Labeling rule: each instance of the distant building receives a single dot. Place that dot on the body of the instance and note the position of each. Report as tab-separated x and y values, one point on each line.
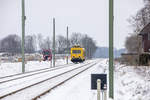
142	57
145	33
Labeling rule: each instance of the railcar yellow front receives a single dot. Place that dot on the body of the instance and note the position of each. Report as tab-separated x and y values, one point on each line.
77	54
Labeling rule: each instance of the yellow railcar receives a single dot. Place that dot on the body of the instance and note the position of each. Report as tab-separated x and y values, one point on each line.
77	54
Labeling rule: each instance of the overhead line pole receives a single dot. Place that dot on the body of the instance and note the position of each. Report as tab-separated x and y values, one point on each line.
111	67
23	34
53	42
67	45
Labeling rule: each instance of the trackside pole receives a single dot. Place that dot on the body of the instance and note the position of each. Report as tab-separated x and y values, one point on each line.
53	42
67	46
111	75
51	63
0	61
23	34
98	89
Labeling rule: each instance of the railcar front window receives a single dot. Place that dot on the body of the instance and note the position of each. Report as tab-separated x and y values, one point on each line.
76	51
46	53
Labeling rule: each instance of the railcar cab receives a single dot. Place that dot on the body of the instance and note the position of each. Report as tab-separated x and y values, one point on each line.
47	54
77	54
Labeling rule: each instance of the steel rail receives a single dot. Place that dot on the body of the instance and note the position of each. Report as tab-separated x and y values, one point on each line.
46	70
42	94
29	72
8	94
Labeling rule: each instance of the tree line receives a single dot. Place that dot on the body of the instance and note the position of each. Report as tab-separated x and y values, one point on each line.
35	43
138	21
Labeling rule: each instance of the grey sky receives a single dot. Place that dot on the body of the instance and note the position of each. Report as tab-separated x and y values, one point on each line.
85	16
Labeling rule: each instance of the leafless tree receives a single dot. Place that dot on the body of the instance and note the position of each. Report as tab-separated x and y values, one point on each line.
89	44
30	44
131	44
75	39
44	43
11	44
40	41
138	21
47	44
84	41
61	44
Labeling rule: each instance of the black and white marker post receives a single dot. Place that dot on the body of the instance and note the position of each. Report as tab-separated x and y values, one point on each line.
99	82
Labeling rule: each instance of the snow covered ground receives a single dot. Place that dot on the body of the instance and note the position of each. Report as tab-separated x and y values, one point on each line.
78	88
130	83
15	68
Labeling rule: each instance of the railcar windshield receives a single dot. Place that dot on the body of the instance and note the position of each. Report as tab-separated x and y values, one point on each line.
46	52
76	51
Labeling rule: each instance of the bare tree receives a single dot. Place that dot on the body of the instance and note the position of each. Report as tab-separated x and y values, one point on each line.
75	39
44	43
47	44
84	41
138	22
11	44
40	41
131	44
89	44
61	44
30	44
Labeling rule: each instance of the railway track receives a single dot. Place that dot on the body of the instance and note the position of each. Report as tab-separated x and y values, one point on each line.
19	76
53	81
26	73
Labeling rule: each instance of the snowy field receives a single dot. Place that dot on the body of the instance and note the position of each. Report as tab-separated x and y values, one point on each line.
130	83
15	68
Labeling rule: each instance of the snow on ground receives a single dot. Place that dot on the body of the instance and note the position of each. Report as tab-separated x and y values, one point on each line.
130	83
78	88
15	68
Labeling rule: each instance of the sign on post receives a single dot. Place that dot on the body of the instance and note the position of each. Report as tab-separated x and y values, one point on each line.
95	77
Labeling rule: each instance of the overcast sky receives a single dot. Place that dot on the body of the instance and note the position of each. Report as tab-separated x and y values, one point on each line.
84	16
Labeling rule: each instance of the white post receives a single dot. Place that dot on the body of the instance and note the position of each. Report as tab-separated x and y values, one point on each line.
102	94
98	89
105	92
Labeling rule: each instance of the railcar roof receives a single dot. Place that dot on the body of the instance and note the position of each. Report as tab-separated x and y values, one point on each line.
76	46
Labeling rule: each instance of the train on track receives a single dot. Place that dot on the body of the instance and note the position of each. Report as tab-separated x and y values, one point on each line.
47	54
77	54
